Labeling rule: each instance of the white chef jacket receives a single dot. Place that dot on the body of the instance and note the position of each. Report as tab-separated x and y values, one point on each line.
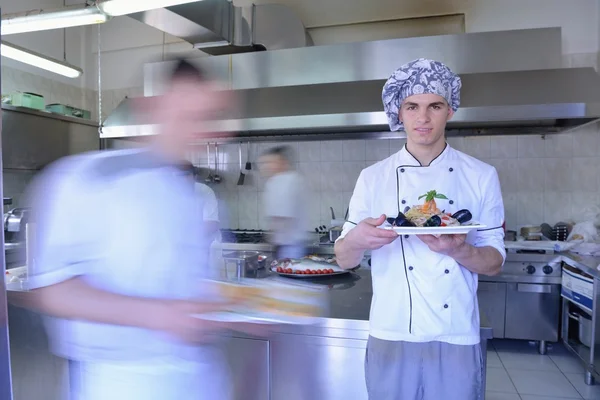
127	222
210	212
420	295
285	197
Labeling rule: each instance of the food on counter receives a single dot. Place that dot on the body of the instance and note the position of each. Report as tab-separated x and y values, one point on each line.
309	265
272	298
282	270
314	257
429	215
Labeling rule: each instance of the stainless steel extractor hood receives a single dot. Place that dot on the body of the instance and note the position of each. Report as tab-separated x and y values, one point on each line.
219	27
512	83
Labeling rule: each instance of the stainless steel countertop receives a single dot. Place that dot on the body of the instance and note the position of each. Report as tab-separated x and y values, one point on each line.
350	298
588	264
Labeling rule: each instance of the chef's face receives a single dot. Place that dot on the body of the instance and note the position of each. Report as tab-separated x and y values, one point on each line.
424	117
186	110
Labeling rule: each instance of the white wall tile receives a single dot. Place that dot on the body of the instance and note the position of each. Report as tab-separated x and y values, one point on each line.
530	208
560	145
332	177
335	200
586	142
248	206
558	174
311	172
478	147
353	150
580	203
542	180
508	173
556	207
530	146
510	210
584	174
351	171
377	150
503	147
456	143
531	174
332	151
309	152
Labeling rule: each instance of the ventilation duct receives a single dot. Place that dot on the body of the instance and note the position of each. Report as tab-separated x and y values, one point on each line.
218	27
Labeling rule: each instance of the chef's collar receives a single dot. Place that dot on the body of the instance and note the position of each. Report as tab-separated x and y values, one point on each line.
406	158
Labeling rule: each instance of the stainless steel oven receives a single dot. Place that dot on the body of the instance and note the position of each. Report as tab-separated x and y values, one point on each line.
523	302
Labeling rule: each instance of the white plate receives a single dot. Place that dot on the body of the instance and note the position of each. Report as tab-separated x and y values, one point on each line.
435	230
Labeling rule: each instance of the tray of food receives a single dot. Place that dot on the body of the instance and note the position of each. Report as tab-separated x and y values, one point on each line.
269	302
308	267
428	219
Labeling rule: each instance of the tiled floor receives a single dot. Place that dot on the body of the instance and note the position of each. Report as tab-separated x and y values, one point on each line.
516	371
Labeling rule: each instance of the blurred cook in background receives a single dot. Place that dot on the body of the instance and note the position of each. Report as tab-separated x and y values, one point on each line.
284	203
210	214
119	260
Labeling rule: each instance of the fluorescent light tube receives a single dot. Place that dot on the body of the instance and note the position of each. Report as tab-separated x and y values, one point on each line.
46	20
37	60
123	7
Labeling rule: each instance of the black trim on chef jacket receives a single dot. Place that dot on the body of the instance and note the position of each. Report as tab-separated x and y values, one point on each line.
401	169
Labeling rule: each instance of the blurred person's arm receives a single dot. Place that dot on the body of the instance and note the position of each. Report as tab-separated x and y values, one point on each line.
67	209
76	300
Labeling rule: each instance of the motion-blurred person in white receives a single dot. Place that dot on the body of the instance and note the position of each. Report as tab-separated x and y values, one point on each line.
284	203
210	215
120	265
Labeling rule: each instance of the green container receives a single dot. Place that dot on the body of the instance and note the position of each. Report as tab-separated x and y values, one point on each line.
69	111
26	99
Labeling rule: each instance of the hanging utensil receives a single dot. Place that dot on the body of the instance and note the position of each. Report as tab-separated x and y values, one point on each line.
248	163
209	178
217	177
242	177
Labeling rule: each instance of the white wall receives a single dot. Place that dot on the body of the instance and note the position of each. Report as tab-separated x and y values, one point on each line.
549	179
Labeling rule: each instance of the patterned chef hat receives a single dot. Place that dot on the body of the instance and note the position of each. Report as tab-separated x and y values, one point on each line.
419	77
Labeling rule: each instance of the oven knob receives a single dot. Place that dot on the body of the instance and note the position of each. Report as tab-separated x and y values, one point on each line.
530	269
547	269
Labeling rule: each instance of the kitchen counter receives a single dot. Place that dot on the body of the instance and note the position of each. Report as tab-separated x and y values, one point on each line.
350	301
277	366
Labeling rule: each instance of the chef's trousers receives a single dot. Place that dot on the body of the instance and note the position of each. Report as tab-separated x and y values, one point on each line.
397	370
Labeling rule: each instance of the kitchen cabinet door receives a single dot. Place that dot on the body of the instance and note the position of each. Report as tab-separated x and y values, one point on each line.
249	368
317	368
492	302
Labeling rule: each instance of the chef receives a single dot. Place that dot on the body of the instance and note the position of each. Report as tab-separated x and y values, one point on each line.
119	276
424	320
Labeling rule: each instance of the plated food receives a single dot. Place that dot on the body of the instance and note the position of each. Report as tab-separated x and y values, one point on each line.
429	215
272	301
309	266
428	218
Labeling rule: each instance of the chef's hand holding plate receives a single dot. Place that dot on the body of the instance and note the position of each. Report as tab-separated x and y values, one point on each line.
443	244
366	235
